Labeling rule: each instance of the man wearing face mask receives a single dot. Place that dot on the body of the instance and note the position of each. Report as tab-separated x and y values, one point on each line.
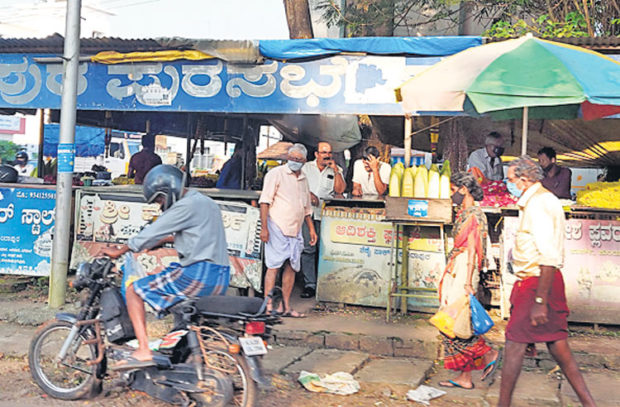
489	158
557	179
284	206
538	302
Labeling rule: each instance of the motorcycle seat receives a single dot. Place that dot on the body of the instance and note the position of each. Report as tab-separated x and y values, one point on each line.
229	305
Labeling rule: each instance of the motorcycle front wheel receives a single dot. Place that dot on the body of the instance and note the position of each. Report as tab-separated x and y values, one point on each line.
69	379
236	367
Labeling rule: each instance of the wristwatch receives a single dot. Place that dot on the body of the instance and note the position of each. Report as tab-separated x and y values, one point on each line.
539	300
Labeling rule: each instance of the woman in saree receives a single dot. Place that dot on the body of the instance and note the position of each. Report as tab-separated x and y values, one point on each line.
461	278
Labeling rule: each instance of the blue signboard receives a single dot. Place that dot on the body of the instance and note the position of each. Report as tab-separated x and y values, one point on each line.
26	227
334	85
341	84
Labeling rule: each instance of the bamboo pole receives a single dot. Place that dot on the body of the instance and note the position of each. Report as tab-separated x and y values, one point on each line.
408	126
524	131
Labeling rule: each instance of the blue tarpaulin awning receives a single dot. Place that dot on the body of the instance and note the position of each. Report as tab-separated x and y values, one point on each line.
89	141
318	47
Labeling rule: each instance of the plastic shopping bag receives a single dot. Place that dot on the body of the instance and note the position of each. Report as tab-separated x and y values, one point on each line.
445	318
338	383
480	319
462	323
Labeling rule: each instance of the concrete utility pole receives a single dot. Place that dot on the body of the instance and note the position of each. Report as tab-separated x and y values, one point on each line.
66	156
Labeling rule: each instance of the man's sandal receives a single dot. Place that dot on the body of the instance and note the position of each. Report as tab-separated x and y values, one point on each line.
491	368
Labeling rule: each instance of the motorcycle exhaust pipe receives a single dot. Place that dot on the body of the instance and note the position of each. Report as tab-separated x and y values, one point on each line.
194	346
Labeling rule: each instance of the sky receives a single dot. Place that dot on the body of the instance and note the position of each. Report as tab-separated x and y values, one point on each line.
209	19
214	19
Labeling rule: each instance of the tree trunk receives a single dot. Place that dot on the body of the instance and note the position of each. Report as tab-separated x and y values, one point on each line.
298	19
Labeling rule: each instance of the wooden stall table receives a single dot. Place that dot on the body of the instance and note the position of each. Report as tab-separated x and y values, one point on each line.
405	213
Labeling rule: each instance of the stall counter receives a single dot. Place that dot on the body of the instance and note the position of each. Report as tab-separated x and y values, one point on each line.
355	255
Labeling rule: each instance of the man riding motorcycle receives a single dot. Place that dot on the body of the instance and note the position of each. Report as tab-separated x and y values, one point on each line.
195	221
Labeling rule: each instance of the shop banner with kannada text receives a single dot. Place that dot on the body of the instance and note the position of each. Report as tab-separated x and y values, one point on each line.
592	270
26	227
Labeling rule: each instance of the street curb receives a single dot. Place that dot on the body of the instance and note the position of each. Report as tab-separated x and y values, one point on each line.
398	347
381	346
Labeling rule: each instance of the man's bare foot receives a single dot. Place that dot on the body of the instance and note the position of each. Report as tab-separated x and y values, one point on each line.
138	360
142	355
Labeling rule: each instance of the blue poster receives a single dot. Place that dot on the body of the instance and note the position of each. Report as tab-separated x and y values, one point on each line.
417	208
66	157
26	227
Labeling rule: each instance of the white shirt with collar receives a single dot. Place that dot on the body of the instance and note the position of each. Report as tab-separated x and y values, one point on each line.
481	159
321	183
540	238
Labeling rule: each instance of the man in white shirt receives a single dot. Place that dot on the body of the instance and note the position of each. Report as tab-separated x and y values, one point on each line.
370	176
488	159
325	180
539	309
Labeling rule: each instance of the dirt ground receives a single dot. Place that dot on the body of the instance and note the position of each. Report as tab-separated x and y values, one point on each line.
18	389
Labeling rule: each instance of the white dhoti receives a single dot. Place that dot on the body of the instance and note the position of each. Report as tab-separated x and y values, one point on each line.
281	248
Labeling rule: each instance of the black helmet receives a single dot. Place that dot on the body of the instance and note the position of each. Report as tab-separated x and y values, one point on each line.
8	174
21	155
165	180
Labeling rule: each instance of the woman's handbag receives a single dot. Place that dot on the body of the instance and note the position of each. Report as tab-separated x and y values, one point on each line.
462	324
480	319
446	316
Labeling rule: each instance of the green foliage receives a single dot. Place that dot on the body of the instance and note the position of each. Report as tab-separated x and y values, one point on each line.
556	18
544	26
503	29
8	150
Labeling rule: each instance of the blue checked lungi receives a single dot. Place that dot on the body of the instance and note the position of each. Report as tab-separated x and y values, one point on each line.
280	248
176	283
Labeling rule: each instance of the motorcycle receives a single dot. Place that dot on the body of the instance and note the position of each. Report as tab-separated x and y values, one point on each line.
210	358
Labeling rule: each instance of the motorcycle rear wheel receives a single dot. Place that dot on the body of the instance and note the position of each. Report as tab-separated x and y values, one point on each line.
235	365
59	380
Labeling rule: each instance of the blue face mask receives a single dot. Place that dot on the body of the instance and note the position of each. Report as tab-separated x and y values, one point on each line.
294	165
512	188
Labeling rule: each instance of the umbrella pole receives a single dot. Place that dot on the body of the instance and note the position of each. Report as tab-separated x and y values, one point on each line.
524	131
407	141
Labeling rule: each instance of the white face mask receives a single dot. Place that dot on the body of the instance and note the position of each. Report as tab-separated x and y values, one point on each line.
294	165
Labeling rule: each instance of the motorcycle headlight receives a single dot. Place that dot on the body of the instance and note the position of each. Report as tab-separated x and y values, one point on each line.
83	271
82	275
